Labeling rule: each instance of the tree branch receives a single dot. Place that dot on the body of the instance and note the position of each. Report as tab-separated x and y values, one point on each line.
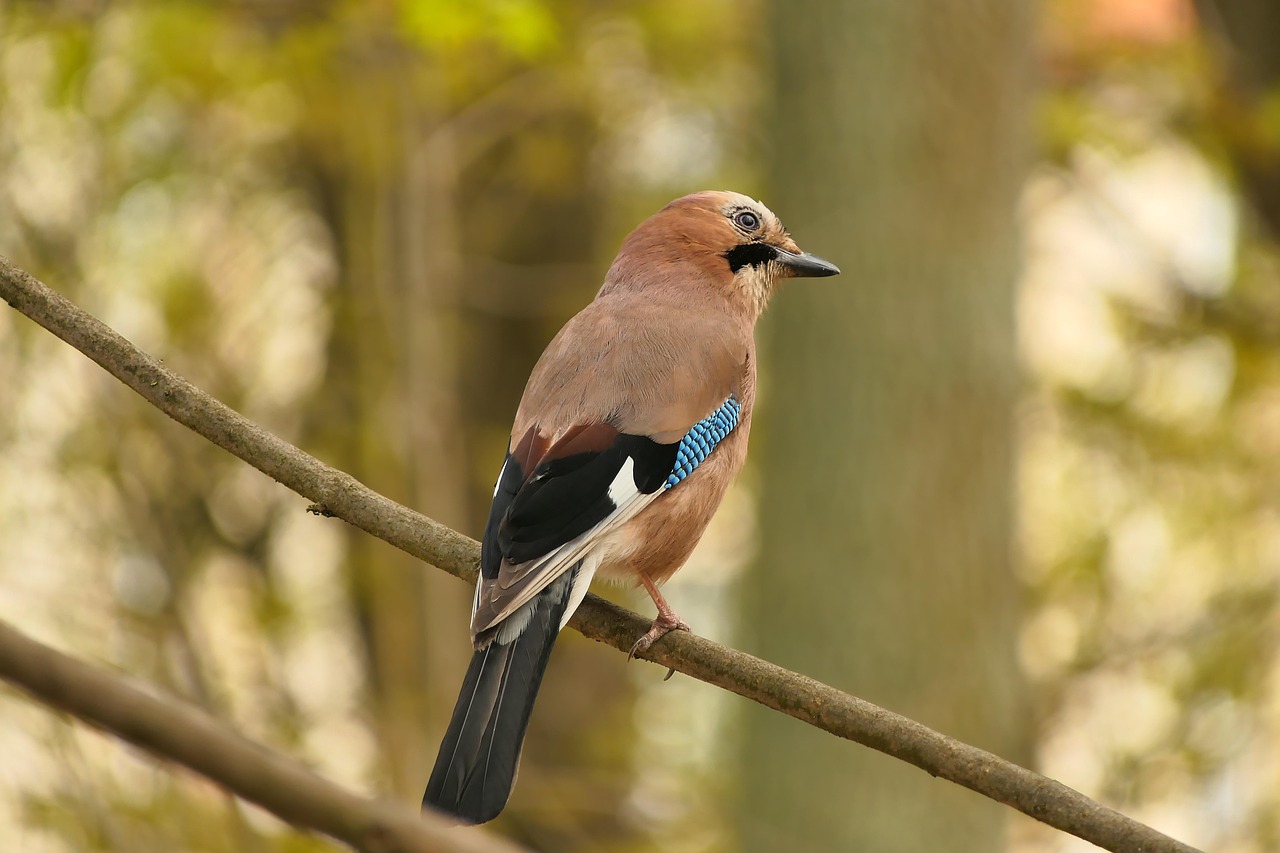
809	701
180	732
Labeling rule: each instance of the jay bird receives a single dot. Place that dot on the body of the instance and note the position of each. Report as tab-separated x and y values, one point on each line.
632	425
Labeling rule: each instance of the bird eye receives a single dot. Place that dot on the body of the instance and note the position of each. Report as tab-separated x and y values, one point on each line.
746	220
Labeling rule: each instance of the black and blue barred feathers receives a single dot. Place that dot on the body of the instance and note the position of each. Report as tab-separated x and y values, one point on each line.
702	438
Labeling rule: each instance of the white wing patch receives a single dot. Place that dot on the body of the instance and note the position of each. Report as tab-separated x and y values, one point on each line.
580	586
498	482
475	598
623	487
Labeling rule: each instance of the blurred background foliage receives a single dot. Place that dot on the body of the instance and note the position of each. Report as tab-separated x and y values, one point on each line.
359	223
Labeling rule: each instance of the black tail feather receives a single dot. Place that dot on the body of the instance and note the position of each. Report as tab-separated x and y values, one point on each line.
480	753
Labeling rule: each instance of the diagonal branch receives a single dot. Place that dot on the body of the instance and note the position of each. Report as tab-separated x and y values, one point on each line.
809	701
181	732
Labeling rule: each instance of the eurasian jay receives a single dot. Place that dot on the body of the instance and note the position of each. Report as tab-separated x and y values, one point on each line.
632	425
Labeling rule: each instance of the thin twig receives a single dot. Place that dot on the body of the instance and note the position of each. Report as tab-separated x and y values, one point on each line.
810	701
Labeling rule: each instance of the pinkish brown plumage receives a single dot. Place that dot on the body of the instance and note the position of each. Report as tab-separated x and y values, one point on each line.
632	425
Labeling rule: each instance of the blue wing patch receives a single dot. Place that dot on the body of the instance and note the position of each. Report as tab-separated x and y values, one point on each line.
699	441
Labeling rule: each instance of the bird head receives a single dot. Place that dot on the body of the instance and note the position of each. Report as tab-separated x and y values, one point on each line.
732	242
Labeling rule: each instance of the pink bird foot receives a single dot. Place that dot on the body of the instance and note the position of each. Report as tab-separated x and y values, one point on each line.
666	622
663	625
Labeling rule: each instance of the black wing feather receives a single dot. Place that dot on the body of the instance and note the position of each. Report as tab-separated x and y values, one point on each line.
568	496
510	480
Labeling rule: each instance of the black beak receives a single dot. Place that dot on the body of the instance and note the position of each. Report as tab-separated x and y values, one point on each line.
805	265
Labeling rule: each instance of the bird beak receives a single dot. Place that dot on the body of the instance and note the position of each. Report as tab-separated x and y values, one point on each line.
805	265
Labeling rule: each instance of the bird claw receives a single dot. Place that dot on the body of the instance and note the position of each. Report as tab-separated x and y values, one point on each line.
660	628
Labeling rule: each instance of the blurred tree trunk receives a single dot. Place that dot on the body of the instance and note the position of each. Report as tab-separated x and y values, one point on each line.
1247	33
886	435
393	418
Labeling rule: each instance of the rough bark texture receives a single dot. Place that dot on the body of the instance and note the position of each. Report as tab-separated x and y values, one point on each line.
886	434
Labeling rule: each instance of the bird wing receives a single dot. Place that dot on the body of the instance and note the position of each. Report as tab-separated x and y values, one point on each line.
553	501
556	500
597	436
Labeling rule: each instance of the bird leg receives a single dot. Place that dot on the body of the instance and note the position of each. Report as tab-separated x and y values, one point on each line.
667	620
